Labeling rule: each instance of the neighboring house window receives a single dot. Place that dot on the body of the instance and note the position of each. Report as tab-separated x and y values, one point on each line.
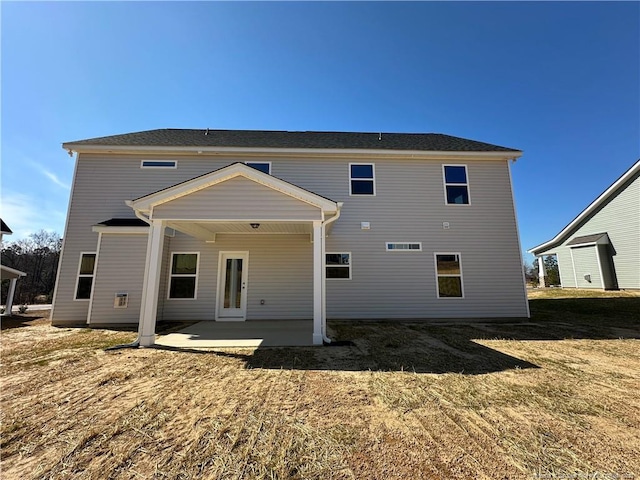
85	275
362	179
404	247
264	167
159	164
184	275
456	184
449	275
338	265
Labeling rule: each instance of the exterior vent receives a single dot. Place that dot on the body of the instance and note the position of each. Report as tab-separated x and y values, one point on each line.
121	300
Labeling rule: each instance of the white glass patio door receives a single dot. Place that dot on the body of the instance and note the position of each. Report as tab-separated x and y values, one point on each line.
232	286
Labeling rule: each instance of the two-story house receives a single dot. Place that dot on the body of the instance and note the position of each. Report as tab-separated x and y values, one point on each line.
218	225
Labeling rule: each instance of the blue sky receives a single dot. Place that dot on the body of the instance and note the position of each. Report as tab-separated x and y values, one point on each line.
560	81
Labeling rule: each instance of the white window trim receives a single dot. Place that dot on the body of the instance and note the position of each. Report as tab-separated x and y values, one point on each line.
403	250
373	179
339	266
435	267
154	167
445	184
84	275
260	162
196	275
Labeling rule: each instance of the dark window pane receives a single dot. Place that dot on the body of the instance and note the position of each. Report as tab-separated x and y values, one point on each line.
448	264
184	263
459	195
455	174
84	287
158	163
183	287
87	264
362	187
450	286
263	167
337	272
361	171
337	259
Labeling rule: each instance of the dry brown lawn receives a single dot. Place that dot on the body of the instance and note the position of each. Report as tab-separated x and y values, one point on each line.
553	397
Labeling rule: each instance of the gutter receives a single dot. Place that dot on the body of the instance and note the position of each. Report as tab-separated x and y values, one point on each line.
325	338
136	342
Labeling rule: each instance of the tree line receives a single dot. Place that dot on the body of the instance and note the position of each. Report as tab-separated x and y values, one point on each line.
37	256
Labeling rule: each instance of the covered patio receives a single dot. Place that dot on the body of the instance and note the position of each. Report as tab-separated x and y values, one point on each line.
274	333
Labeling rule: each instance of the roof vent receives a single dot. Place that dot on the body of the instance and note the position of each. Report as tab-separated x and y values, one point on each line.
380	136
206	132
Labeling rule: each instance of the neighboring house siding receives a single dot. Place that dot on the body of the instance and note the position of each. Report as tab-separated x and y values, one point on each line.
238	198
409	205
620	219
120	268
280	273
586	263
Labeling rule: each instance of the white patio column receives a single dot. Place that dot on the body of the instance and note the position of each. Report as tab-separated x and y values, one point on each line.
317	282
149	308
541	272
10	294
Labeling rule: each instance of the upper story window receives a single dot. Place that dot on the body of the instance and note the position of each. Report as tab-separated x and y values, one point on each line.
456	184
85	275
159	164
264	167
362	179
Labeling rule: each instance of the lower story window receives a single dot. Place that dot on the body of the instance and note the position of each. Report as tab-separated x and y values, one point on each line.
184	275
449	275
338	265
85	276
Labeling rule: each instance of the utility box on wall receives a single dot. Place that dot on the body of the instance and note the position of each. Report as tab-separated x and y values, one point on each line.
121	300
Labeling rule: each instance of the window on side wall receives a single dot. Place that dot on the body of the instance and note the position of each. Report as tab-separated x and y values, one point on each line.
362	179
86	271
159	164
456	184
449	275
184	275
264	167
338	266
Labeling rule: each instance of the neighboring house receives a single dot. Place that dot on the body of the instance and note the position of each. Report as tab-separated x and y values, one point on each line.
268	225
600	248
7	273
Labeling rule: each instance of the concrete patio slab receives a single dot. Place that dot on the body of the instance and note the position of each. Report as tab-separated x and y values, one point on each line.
281	333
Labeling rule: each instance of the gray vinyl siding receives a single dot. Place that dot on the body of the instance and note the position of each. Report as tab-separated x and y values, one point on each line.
609	280
586	262
280	271
120	268
409	205
620	219
238	198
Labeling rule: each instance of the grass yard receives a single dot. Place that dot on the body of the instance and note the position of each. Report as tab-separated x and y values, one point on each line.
553	397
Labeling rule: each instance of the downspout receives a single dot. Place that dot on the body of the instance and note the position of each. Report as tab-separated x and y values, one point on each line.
136	342
325	338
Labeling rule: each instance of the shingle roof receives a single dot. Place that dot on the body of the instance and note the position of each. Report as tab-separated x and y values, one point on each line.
124	222
172	137
586	239
4	228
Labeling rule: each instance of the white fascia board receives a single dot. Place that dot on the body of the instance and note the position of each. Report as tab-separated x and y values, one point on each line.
587	211
13	271
147	203
294	152
121	230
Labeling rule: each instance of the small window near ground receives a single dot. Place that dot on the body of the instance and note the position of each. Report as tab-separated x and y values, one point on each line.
404	247
264	167
338	266
85	276
184	275
449	275
159	164
362	179
456	184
